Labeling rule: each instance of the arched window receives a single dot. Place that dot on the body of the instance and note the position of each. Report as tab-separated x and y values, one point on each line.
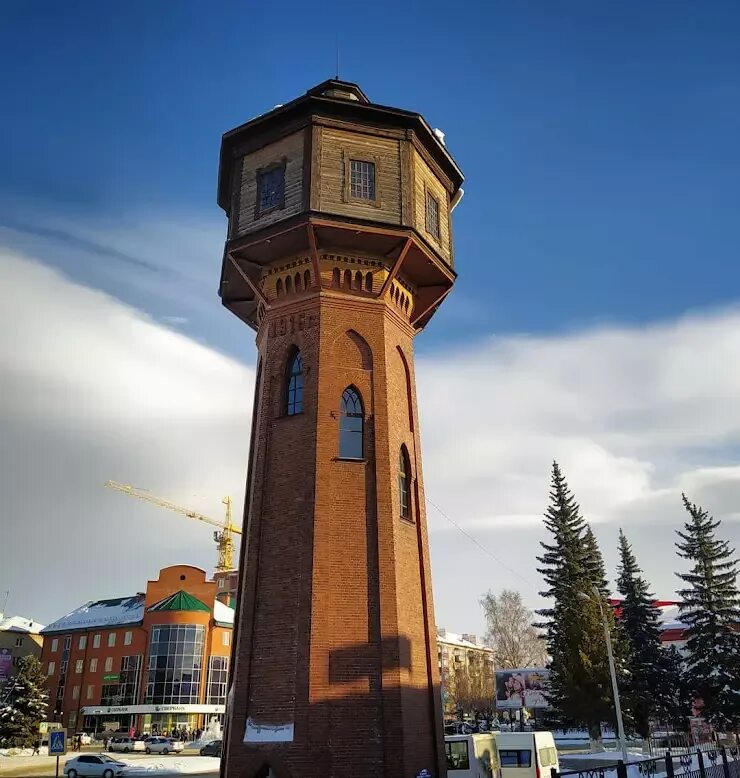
335	278
351	425
358	280
294	385
348	279
404	483
368	282
306	279
288	285
298	282
279	287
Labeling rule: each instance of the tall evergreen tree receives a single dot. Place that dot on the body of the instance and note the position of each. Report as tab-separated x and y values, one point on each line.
645	677
23	705
580	686
710	607
595	562
673	696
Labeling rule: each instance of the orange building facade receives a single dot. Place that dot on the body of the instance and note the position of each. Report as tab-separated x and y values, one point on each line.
150	662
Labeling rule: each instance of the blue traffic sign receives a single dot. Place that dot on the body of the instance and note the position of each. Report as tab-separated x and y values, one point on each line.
57	742
424	774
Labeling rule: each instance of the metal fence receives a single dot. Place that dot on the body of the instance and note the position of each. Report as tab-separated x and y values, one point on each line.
705	762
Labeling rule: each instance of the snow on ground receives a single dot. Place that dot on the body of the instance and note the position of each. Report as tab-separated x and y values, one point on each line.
192	765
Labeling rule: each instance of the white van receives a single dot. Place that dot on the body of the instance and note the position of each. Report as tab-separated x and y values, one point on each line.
501	755
526	754
471	756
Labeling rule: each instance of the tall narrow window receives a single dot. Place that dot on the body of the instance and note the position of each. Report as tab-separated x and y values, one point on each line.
432	220
294	385
362	179
270	186
404	483
351	423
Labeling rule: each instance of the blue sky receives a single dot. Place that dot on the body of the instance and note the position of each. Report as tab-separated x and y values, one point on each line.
596	246
599	140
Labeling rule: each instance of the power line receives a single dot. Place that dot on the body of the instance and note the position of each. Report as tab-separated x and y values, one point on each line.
477	542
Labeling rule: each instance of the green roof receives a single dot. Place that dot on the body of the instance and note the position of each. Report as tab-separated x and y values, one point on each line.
180	601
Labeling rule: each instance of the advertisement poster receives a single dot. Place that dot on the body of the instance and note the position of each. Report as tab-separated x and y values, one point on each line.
524	687
6	664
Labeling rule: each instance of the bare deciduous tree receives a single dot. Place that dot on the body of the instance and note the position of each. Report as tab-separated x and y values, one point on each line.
515	642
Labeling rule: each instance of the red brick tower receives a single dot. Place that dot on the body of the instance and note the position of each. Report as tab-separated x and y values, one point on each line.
339	251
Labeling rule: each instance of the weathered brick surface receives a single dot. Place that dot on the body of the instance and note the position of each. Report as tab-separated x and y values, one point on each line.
336	633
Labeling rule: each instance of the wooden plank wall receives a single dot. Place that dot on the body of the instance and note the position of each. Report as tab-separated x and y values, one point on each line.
291	148
425	178
385	151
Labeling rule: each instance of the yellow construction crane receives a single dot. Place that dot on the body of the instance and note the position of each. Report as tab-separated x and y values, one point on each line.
223	537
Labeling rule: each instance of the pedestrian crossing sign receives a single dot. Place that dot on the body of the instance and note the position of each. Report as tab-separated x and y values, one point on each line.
57	742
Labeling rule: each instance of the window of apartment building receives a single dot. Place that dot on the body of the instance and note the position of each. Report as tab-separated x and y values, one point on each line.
94	665
96	640
226	638
111	639
270	189
220	583
79	664
432	215
51	668
90	691
75	692
362	179
72	720
82	643
127	637
54	645
18	642
125	690
218	674
108	664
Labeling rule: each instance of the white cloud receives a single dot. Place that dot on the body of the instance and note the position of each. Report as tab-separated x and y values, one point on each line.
633	415
93	389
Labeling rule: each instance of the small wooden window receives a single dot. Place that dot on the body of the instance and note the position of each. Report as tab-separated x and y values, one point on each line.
432	215
362	179
270	189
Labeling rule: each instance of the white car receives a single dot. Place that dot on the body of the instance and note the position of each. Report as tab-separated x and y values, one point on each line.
93	765
85	739
126	744
162	745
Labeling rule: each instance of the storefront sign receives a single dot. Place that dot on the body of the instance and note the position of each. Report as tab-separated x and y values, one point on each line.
107	710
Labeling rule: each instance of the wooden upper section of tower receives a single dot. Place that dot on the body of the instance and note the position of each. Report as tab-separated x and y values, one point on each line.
332	175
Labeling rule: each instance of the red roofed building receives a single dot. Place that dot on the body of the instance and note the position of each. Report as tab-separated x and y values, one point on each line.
672	629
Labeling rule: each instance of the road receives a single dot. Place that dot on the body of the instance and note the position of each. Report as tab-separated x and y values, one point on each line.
45	766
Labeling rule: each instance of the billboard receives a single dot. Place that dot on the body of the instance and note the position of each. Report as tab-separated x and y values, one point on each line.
524	687
6	664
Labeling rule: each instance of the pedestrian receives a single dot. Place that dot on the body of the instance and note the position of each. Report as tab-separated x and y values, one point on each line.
78	742
37	746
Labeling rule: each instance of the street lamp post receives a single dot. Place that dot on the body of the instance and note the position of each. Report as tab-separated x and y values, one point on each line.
612	670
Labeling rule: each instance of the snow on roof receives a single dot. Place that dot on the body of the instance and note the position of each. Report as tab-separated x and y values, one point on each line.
222	613
101	613
463	641
20	624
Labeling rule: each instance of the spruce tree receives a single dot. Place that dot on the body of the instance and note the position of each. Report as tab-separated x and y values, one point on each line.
580	686
23	705
673	696
710	607
595	562
645	677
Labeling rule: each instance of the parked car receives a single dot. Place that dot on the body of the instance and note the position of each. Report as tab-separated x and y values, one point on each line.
126	744
458	728
162	745
93	765
213	748
84	737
